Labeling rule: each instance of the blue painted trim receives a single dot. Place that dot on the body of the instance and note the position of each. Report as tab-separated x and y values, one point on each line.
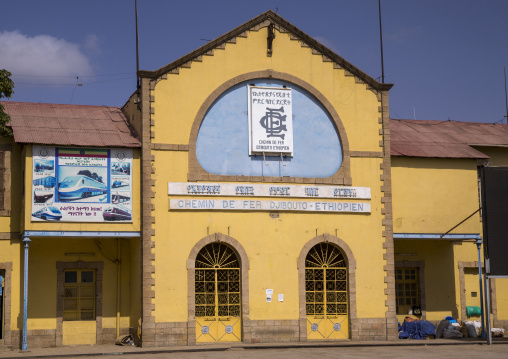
435	236
80	234
26	241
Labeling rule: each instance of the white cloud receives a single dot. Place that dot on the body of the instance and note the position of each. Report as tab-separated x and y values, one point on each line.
42	55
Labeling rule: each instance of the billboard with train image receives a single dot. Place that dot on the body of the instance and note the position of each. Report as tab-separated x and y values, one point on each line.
81	184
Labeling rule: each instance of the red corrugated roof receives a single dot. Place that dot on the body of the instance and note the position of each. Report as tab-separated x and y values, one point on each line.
75	125
444	139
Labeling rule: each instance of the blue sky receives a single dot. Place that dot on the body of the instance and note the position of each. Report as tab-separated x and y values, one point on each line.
445	57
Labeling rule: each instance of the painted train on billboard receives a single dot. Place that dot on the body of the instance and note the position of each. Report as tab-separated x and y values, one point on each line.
81	184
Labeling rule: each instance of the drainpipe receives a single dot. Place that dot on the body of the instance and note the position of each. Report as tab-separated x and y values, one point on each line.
118	284
26	240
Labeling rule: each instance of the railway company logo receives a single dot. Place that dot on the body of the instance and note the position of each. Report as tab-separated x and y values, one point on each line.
120	156
43	153
273	122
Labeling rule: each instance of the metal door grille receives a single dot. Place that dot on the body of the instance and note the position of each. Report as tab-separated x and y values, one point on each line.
217	282
326	281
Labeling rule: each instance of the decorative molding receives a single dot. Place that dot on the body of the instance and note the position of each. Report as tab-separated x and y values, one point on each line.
169	147
373	154
387	221
147	257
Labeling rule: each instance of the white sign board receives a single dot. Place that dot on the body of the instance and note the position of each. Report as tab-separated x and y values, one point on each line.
266	190
256	205
270	120
81	184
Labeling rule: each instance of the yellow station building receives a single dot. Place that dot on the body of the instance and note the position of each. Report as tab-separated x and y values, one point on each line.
268	197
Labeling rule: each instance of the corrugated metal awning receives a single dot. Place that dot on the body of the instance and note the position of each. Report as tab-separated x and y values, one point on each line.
69	125
444	139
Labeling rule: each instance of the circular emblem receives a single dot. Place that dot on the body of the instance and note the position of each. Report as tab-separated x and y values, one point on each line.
43	153
314	327
205	329
229	329
82	152
336	327
120	156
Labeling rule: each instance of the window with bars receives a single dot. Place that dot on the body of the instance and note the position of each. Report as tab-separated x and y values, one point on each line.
79	295
407	289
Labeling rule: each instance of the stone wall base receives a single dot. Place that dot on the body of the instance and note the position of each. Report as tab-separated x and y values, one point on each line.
271	331
268	331
47	338
109	335
170	334
368	329
501	324
36	338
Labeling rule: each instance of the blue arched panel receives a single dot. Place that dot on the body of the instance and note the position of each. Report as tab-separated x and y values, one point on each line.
222	145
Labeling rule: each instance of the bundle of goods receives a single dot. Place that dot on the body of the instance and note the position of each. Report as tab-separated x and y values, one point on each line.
416	329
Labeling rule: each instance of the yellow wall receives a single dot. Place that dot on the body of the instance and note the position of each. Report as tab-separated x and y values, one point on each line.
134	287
502	298
273	245
498	155
178	98
131	109
440	291
42	295
433	195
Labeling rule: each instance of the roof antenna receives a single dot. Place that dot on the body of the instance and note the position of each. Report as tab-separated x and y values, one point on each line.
137	48
381	39
505	95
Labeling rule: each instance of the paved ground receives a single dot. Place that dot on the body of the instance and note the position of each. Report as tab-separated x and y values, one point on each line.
462	352
402	348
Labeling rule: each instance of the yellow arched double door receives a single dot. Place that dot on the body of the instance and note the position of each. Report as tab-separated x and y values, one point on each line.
326	292
218	294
